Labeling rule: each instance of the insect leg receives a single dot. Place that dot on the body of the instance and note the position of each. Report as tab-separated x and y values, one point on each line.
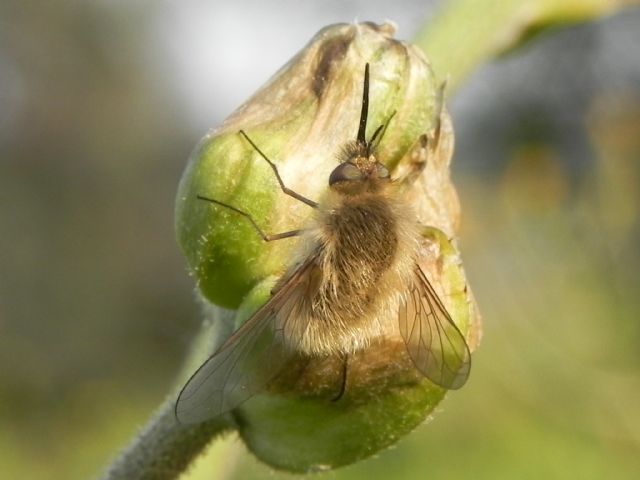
265	236
418	156
425	147
438	113
273	166
343	385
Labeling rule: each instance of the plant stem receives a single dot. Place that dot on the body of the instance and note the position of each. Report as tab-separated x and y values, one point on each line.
164	449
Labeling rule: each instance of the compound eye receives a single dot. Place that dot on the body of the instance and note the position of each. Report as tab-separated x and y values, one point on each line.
382	171
345	172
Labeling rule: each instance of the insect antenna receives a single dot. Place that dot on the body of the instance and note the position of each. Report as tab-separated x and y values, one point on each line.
375	134
364	113
381	130
365	108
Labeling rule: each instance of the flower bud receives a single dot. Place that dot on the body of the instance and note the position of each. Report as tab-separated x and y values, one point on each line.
301	119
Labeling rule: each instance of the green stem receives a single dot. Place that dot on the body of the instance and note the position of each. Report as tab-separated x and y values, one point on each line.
164	449
467	33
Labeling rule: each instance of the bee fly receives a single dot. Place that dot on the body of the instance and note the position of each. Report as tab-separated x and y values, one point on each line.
360	267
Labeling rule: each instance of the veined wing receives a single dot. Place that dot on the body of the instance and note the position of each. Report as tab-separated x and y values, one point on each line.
252	357
435	345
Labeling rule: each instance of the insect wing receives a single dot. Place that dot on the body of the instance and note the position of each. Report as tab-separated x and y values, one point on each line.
252	357
434	343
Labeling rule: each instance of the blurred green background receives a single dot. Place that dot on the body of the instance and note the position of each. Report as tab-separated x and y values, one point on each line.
100	105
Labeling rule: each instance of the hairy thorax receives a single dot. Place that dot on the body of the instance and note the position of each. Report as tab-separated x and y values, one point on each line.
360	244
360	269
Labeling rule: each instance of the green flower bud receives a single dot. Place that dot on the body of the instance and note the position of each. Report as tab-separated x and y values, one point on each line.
301	119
